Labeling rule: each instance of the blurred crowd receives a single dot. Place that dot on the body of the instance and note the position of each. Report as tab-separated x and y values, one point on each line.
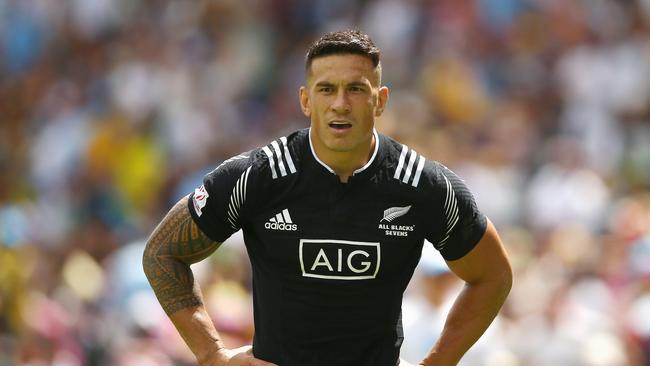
112	110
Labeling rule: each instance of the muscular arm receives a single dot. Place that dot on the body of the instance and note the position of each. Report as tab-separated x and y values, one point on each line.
175	244
488	276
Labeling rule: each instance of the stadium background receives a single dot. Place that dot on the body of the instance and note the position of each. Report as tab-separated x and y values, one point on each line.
111	110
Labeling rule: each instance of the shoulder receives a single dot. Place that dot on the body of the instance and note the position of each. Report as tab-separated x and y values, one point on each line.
408	167
244	181
281	157
278	159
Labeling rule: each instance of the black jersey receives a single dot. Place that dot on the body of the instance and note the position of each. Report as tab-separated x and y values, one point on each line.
331	260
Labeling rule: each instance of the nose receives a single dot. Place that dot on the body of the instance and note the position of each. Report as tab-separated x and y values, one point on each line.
341	104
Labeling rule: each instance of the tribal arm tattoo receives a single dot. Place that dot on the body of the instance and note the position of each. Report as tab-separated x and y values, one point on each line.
175	244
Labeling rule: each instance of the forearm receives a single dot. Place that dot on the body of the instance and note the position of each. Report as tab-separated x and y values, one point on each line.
472	313
197	330
183	303
173	246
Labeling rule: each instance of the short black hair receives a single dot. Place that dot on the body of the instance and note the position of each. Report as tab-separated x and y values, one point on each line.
342	42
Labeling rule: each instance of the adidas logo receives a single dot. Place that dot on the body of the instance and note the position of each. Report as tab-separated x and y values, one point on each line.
281	221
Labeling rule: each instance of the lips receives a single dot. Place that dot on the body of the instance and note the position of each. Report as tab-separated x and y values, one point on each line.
340	125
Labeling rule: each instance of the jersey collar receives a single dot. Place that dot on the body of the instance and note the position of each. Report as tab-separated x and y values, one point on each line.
370	161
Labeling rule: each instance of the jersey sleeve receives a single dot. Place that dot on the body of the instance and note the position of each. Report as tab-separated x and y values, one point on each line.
219	205
459	224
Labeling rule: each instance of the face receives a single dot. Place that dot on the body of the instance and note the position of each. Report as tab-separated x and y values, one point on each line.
342	98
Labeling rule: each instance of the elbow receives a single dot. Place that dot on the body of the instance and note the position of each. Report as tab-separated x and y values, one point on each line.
500	282
505	280
508	275
148	260
507	286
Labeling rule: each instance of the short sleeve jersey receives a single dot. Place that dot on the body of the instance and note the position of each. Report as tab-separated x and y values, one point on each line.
331	260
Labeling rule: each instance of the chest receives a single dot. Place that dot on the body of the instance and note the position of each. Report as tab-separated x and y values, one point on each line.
341	232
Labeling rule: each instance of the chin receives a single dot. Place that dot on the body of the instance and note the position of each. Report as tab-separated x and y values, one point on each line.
339	148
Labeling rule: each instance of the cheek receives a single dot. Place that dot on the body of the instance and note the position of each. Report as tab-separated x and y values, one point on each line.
371	104
319	105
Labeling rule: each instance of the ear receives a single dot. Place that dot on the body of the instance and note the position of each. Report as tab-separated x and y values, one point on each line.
382	100
305	104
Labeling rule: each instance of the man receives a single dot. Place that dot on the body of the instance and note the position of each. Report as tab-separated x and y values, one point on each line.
334	218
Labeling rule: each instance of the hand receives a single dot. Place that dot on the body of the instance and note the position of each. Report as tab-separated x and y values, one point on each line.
242	356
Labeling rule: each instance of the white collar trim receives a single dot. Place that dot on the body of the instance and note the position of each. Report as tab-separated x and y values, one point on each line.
372	158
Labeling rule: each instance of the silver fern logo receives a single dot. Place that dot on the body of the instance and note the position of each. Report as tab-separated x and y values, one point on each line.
392	213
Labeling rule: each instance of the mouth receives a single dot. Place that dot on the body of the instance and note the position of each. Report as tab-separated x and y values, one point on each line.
340	125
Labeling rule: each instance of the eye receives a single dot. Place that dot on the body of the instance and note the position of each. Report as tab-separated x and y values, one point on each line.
325	89
356	89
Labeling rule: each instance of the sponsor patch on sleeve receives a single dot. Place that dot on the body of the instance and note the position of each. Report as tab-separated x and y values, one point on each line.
199	199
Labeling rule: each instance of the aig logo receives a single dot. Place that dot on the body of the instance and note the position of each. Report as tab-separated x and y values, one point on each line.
339	259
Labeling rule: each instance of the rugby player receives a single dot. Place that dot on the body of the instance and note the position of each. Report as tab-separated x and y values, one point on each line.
334	218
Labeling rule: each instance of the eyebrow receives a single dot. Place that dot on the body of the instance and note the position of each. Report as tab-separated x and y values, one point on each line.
352	83
358	83
324	83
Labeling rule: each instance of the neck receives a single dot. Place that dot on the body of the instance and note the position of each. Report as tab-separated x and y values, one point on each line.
344	163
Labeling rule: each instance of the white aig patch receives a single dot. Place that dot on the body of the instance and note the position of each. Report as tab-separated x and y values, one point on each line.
199	199
339	259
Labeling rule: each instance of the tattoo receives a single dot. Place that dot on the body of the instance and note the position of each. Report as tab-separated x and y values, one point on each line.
175	244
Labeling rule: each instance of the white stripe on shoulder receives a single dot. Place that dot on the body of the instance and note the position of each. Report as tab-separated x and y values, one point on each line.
400	164
269	154
287	155
418	171
410	168
237	199
278	155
